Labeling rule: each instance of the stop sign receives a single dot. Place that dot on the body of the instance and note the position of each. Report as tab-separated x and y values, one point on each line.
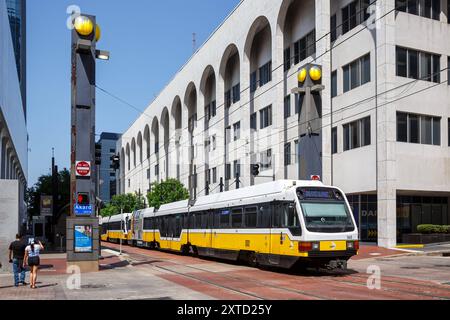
83	168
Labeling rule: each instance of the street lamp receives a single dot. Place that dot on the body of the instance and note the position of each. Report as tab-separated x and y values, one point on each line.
310	121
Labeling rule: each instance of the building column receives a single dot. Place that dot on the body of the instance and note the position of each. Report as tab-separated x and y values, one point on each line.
3	159
386	124
323	14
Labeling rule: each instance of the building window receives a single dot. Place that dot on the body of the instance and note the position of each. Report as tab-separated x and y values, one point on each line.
253	82
157	170
418	65
305	47
424	8
236	93
214	175
297	151
213	109
228	99
266	159
112	151
265	74
334	84
448	129
237	168
448	59
237	131
287	106
254	121
265	116
420	129
357	73
287	154
349	20
334	141
287	59
333	26
227	171
148	174
357	134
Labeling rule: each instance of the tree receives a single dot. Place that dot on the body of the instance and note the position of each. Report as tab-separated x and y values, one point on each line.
44	187
166	192
128	202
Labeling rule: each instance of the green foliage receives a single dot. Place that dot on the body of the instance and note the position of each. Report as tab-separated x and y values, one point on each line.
166	192
44	187
129	202
430	229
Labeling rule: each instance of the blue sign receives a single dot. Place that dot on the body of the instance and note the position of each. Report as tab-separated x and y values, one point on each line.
83	239
83	210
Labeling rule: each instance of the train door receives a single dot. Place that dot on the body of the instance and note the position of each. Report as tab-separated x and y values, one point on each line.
213	223
276	234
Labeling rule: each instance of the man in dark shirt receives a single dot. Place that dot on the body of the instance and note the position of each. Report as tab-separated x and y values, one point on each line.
16	255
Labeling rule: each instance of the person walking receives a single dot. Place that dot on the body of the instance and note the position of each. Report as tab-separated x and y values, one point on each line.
32	259
16	256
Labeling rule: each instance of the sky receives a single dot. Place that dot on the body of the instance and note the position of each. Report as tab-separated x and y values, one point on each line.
149	42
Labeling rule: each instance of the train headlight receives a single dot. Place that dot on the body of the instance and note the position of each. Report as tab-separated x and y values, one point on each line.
316	246
353	245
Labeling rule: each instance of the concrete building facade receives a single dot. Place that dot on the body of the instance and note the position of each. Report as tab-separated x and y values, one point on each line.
385	108
13	141
107	175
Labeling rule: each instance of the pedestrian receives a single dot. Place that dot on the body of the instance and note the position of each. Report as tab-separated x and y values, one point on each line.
16	256
32	259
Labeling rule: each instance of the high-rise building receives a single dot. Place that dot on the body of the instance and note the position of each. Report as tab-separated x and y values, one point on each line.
380	132
107	175
17	21
13	130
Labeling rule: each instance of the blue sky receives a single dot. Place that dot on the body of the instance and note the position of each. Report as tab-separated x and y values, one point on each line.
149	41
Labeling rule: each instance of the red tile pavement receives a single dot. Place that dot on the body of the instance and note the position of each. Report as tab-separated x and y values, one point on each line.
367	252
50	266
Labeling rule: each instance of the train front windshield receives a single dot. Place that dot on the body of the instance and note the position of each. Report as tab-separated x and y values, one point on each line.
325	211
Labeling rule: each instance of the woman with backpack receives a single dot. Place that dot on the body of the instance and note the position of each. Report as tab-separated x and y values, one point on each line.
32	259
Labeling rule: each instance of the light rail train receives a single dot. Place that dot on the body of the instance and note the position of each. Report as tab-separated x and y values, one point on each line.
285	223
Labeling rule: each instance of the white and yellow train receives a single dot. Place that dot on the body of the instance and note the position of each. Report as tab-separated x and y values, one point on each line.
284	223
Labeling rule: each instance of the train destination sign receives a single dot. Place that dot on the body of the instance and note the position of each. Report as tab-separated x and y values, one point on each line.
83	169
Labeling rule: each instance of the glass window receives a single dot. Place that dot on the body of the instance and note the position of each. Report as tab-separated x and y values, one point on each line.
346	72
334	141
334	84
287	59
365	132
413	64
214	173
414	129
236	218
287	106
333	26
237	131
402	67
437	131
251	215
402	127
355	74
297	151
355	137
253	82
365	69
436	74
425	66
224	219
236	93
265	74
227	171
266	117
289	217
346	137
426	132
264	216
287	154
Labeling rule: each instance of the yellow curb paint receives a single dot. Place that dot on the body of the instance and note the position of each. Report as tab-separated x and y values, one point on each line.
411	246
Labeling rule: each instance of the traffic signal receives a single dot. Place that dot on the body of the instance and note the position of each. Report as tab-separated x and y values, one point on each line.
83	199
115	162
98	154
255	170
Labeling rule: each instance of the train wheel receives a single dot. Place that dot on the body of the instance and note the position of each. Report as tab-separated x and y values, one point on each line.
252	260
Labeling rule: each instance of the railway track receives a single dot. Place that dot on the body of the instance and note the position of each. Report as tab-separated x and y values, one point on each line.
349	280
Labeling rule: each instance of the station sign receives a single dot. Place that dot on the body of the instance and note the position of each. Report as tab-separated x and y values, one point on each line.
83	210
83	169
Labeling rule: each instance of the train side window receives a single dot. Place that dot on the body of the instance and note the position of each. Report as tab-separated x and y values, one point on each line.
224	219
178	227
216	219
236	218
264	216
276	215
251	217
205	218
198	220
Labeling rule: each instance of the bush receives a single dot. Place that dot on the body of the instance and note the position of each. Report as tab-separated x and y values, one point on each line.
429	229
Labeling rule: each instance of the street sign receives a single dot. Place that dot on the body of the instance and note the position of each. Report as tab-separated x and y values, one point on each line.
83	210
46	206
83	168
